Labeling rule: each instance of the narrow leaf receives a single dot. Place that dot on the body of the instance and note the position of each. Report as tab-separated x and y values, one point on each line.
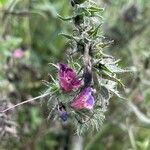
94	9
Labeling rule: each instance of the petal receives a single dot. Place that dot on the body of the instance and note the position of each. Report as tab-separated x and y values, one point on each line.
83	100
67	78
86	92
77	104
64	84
70	73
89	103
63	115
63	67
76	83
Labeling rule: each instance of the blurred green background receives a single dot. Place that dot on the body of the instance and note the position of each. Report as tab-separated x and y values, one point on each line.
33	27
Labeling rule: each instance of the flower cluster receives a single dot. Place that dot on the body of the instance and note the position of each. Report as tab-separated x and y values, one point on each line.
68	81
98	70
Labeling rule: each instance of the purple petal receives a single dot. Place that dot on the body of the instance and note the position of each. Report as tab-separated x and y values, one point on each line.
63	67
70	73
89	103
64	84
63	115
67	78
76	83
84	99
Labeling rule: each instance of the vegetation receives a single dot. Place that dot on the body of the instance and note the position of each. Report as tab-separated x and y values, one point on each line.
31	37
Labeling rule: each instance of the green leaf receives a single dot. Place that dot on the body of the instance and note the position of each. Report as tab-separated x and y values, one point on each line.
93	32
113	78
64	19
70	37
79	1
104	92
112	89
106	73
102	45
102	67
52	64
116	69
83	11
94	122
94	9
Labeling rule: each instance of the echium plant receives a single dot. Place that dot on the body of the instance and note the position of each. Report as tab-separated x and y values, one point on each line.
88	79
84	83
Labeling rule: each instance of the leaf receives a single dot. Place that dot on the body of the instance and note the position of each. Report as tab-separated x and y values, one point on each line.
102	67
107	75
104	92
70	37
56	66
113	78
64	19
94	123
79	1
102	45
116	69
94	9
83	11
93	32
114	91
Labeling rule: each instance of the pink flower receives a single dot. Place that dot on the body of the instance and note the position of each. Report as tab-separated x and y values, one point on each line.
84	100
17	53
67	78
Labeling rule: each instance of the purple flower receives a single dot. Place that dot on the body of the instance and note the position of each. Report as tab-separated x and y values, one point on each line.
63	115
84	100
17	53
62	112
67	78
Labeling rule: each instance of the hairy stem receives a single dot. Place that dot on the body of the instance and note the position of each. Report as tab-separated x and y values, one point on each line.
24	102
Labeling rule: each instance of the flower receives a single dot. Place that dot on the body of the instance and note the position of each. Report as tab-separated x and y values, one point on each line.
17	53
84	99
63	115
62	112
67	78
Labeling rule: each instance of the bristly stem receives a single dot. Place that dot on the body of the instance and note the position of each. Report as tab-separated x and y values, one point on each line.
24	102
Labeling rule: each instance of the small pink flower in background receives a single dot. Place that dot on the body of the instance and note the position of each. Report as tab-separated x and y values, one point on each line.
17	53
84	100
138	98
67	78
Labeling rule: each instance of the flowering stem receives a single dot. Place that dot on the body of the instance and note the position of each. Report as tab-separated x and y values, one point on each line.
24	102
87	66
